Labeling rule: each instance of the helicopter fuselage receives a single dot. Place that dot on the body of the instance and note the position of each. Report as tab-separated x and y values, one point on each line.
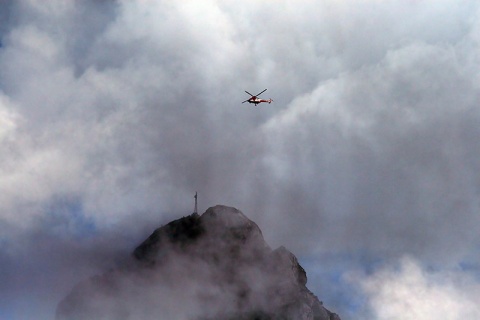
257	100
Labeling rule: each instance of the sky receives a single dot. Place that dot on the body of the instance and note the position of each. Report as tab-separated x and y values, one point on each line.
366	165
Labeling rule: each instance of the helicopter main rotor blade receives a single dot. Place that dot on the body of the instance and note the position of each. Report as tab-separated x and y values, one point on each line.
245	101
249	93
261	92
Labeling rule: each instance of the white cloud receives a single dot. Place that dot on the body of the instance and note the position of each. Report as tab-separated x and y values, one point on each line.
410	292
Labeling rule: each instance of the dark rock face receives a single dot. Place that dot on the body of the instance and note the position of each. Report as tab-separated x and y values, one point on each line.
213	266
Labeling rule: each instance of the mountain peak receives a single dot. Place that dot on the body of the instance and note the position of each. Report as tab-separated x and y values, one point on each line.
228	216
213	266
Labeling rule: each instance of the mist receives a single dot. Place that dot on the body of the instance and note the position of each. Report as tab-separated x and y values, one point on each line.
114	113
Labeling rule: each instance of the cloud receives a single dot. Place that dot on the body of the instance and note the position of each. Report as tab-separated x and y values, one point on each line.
389	152
409	291
8	121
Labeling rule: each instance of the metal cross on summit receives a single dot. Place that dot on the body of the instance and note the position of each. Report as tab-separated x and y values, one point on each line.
195	209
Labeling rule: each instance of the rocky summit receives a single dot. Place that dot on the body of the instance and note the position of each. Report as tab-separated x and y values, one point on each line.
213	266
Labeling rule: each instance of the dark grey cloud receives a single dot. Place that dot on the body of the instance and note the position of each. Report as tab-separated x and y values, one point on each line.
402	133
113	113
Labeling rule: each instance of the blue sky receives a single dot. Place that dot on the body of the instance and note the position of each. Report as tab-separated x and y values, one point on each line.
365	166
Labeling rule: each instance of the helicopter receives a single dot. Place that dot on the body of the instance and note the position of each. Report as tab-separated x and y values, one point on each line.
254	98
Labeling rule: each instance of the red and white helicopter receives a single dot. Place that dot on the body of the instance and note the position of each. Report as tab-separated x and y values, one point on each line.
254	98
